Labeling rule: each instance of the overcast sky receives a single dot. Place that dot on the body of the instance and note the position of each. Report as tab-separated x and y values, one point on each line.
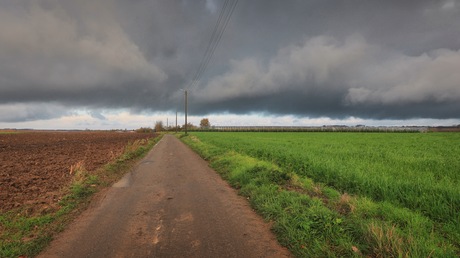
116	63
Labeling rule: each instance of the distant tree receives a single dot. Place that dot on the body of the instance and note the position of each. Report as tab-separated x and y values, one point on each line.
190	126
204	123
144	130
159	126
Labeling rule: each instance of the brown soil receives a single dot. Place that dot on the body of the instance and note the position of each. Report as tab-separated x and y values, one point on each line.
35	166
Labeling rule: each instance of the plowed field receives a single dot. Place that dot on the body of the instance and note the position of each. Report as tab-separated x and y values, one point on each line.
35	166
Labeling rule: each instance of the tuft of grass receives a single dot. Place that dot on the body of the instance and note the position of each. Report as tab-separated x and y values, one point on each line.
387	241
23	234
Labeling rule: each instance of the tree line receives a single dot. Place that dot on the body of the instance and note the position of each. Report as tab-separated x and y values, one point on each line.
204	124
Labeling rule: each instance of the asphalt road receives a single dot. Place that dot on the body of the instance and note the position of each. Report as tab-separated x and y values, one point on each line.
171	205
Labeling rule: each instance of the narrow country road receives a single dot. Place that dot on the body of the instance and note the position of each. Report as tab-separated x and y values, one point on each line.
171	205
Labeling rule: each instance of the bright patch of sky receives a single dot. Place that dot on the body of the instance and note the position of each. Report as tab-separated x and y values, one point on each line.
82	120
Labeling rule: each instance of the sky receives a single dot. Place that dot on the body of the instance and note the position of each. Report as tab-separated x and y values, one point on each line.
116	64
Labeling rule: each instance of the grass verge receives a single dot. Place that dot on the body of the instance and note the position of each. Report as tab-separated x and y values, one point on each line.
314	220
24	235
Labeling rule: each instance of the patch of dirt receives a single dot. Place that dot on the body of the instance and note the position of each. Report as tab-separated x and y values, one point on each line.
35	166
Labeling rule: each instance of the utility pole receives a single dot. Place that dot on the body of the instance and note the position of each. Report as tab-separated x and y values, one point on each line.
185	112
176	121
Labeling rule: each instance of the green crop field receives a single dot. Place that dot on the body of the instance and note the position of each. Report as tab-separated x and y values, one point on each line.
348	194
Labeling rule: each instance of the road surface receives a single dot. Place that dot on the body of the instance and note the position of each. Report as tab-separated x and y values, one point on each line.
171	205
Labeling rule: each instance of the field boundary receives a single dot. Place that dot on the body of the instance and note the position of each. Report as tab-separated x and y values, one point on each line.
337	128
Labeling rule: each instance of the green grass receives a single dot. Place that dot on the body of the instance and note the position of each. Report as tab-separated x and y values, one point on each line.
347	194
24	234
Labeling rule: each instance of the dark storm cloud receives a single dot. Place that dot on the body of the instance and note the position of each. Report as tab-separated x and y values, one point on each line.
12	113
350	77
369	59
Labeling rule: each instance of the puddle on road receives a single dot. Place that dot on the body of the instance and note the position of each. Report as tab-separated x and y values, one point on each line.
124	182
146	162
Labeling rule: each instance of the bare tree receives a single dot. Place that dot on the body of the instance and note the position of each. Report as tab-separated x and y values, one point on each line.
159	126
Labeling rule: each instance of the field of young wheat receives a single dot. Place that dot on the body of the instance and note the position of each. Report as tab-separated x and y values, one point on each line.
388	193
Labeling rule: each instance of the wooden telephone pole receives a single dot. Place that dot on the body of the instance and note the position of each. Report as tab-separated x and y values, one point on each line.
185	112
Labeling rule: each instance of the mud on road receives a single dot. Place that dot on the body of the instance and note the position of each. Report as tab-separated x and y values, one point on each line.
35	166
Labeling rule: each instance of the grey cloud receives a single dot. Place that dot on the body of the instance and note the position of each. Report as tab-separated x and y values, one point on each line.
18	112
367	58
429	77
348	75
48	49
97	115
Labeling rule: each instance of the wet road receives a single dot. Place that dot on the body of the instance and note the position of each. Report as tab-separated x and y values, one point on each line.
171	205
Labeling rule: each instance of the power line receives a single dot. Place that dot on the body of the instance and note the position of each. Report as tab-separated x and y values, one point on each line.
219	29
220	35
212	40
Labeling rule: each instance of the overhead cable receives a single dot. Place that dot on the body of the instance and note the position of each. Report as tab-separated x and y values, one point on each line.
219	29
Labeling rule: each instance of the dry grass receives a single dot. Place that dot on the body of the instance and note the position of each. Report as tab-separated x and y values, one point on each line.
78	172
387	241
133	146
344	205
